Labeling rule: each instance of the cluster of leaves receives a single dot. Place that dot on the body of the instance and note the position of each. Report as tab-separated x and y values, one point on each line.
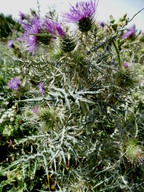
85	133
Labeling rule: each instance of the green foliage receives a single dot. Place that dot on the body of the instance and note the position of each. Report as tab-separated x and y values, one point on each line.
7	24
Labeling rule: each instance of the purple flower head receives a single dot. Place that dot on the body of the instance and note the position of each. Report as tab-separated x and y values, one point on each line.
29	36
125	64
14	83
19	39
129	33
21	16
102	24
53	27
82	14
11	44
41	88
40	31
35	110
82	10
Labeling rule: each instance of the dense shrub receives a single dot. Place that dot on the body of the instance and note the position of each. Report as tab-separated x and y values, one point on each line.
72	106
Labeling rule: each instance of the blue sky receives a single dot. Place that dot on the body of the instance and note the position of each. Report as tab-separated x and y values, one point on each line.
117	8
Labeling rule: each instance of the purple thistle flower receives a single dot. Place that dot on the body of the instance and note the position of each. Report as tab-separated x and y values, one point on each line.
53	27
19	39
21	16
14	83
31	40
35	110
129	33
80	11
10	44
102	24
125	64
40	31
41	88
82	14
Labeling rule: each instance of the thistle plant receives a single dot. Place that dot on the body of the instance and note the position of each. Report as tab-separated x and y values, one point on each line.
72	114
